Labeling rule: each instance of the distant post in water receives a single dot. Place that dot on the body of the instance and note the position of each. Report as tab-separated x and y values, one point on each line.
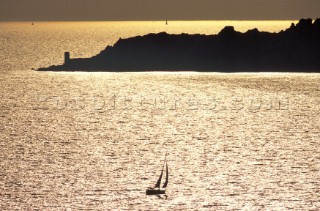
66	57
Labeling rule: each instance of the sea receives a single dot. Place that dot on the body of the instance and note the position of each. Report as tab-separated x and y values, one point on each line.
97	141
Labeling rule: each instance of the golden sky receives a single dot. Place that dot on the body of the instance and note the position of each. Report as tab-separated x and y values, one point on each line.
82	10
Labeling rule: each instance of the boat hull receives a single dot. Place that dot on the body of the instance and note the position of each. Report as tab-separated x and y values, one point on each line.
155	191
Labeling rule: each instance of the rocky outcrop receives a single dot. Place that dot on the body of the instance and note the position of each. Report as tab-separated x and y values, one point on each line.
294	49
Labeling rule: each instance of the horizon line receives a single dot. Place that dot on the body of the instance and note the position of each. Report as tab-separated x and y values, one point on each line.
155	20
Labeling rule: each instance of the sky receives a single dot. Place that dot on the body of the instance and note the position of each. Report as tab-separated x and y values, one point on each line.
107	10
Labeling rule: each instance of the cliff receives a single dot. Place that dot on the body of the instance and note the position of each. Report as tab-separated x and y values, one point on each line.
294	49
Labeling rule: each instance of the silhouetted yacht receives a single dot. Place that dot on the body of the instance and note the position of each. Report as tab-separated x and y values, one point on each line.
157	190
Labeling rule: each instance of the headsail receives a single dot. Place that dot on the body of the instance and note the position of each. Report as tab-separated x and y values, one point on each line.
159	180
167	177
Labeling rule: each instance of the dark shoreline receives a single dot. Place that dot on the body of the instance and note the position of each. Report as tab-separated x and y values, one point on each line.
296	49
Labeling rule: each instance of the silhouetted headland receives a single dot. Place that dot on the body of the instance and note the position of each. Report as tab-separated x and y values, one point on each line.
296	49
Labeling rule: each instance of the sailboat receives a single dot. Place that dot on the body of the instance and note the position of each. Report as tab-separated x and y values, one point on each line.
157	190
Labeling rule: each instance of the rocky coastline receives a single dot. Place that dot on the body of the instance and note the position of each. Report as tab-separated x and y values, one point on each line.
296	49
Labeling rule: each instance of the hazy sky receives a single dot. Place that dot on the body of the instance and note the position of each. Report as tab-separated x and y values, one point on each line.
59	10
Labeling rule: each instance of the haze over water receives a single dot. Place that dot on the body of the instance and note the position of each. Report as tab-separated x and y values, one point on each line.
97	140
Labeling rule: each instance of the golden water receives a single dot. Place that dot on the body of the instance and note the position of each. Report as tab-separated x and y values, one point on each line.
24	46
97	140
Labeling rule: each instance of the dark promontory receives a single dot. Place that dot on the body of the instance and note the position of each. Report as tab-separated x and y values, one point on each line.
296	49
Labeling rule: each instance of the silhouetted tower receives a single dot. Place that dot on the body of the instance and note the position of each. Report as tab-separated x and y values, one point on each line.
66	57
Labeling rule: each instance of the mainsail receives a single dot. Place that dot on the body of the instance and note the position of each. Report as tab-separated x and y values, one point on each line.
167	177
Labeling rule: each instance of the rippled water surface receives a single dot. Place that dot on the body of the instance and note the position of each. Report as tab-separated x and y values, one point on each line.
98	140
